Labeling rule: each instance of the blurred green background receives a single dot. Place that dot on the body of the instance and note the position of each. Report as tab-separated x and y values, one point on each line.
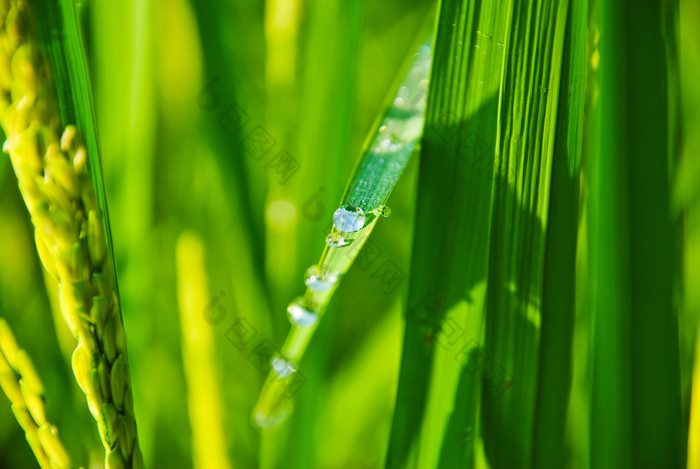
195	103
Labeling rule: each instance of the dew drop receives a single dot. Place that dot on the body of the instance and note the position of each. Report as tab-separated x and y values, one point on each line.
264	420
335	240
350	219
282	368
382	210
319	281
417	70
300	315
399	102
382	129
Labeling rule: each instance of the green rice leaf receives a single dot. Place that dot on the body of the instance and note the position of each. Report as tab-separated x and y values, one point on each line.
636	376
448	266
559	275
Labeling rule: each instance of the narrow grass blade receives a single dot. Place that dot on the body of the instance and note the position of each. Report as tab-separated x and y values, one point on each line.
216	20
392	145
204	401
651	133
610	442
559	275
532	38
436	405
457	449
388	148
636	380
320	133
519	227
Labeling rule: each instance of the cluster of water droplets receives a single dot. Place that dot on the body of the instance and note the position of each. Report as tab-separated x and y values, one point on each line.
351	226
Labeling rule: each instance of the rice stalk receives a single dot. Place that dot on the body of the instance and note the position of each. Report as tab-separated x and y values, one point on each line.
24	388
50	163
204	401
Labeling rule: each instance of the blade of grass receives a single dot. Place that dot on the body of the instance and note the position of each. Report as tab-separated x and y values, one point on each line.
645	142
558	301
204	401
216	20
636	370
448	267
520	210
530	88
387	151
328	43
610	442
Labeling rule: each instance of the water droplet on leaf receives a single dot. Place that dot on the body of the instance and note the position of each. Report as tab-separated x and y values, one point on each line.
319	281
300	315
335	240
349	219
283	368
382	210
264	420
